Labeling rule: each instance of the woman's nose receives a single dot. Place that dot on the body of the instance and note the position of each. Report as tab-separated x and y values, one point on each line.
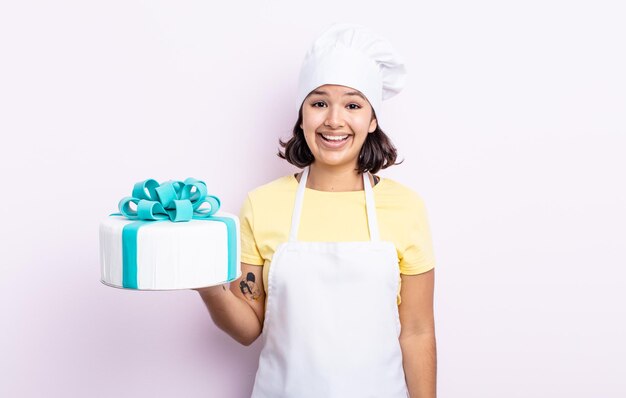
334	117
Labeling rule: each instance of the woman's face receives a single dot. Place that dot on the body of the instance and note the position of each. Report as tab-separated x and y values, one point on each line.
336	121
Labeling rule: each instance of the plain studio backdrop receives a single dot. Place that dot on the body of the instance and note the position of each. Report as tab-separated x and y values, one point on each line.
512	127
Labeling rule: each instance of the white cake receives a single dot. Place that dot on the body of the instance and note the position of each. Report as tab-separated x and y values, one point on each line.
169	236
166	255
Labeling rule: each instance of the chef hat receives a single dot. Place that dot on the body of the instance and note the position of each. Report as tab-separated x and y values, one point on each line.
352	55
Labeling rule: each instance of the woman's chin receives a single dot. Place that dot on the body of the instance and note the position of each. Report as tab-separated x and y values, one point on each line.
334	161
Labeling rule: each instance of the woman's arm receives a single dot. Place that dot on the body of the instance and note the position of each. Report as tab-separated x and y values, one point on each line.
417	337
239	310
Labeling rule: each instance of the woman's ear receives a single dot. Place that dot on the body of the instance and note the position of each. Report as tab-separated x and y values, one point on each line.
373	125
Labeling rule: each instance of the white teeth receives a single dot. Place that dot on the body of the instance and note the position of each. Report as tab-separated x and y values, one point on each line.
335	137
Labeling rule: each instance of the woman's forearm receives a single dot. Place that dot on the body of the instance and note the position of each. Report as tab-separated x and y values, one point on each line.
419	358
231	314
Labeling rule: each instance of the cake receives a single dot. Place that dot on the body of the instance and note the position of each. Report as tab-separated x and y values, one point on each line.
169	236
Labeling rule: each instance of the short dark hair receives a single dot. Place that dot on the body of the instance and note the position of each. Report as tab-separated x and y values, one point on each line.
378	152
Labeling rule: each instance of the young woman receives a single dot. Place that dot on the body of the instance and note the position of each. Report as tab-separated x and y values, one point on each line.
337	263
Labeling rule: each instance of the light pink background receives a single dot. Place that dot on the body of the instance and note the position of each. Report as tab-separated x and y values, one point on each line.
513	130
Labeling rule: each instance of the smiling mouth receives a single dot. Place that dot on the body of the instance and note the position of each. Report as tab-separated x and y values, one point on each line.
334	138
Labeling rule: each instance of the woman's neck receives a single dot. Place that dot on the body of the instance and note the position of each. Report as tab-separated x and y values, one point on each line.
335	179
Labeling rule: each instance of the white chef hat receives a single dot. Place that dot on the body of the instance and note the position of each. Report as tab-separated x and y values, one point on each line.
351	55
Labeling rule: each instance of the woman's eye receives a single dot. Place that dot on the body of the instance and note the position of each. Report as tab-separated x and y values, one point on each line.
318	103
354	106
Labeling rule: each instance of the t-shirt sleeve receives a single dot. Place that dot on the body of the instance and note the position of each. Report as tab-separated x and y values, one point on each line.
249	251
418	256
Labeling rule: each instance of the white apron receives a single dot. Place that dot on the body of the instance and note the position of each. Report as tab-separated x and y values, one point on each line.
331	322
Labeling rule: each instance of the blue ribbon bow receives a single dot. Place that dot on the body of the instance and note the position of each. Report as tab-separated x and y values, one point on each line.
173	200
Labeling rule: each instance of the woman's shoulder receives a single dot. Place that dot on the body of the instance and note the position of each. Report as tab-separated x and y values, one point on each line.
391	188
400	205
274	187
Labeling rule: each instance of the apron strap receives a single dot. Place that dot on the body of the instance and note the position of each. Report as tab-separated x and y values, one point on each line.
372	221
297	207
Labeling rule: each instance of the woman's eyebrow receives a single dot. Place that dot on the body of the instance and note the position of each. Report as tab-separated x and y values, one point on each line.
357	94
322	92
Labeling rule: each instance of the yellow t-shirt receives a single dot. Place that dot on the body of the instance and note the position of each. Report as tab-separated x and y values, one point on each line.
335	216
